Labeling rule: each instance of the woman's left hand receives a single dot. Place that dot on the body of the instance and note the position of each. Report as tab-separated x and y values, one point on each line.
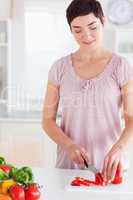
111	162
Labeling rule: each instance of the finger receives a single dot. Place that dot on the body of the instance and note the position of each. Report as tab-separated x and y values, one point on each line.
120	168
76	160
105	167
79	158
85	155
75	157
114	168
109	169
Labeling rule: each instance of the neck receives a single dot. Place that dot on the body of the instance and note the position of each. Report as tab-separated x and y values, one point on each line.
87	55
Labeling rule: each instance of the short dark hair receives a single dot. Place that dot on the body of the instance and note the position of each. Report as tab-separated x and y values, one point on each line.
84	7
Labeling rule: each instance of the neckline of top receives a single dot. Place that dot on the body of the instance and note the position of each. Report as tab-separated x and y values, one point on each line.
95	78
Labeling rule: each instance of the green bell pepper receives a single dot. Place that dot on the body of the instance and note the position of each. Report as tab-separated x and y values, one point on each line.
3	175
2	161
23	175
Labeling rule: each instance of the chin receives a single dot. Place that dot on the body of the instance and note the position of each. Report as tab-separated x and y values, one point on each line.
89	48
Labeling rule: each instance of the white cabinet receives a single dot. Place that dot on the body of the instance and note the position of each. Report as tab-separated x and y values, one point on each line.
24	143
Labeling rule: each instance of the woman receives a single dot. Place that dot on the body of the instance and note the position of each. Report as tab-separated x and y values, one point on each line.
91	85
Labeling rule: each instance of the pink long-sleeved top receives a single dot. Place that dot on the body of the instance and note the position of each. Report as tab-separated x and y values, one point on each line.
91	109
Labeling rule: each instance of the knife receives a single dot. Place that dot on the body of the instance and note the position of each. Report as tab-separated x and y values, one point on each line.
90	167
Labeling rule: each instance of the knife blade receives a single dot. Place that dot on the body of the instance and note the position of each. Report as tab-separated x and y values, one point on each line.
90	167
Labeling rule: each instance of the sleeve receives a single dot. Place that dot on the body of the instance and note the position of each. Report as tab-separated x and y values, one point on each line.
124	72
54	73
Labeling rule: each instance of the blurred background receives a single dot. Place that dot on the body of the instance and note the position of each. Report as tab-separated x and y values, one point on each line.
33	34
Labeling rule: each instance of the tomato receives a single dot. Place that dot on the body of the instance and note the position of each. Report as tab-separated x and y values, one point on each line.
32	192
6	168
17	192
118	178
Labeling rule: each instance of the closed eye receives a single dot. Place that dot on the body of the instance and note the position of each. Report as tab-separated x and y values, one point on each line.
93	28
77	31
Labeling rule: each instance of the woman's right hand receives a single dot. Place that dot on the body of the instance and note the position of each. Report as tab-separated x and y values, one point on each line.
77	154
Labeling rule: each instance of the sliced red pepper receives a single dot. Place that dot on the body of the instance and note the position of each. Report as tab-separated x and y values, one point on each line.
99	179
78	181
75	183
118	178
86	182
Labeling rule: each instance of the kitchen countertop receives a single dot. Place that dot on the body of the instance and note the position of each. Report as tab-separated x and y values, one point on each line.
54	182
21	116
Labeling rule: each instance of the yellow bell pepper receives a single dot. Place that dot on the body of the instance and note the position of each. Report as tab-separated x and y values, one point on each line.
5	197
5	185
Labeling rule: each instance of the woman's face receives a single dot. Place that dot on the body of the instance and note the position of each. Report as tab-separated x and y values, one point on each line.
87	31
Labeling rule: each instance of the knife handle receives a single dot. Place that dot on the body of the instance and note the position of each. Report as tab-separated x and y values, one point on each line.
85	162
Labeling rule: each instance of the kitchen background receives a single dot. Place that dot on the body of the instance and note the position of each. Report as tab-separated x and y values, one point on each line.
33	34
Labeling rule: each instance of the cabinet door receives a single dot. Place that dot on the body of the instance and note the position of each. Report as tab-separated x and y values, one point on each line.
50	150
26	144
5	144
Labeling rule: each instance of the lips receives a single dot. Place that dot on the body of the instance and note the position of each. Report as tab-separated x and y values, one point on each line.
89	43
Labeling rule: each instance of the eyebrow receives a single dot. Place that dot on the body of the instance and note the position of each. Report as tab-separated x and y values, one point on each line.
87	25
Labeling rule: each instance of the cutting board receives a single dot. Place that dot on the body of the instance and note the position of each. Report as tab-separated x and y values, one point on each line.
125	187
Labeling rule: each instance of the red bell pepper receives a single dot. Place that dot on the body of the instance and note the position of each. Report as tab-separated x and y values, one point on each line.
85	181
78	181
118	178
99	179
5	168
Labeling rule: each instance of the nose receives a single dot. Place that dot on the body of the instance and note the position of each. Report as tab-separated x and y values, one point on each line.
86	34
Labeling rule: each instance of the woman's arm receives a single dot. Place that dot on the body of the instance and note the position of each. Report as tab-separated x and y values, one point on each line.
127	136
54	131
49	117
113	158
